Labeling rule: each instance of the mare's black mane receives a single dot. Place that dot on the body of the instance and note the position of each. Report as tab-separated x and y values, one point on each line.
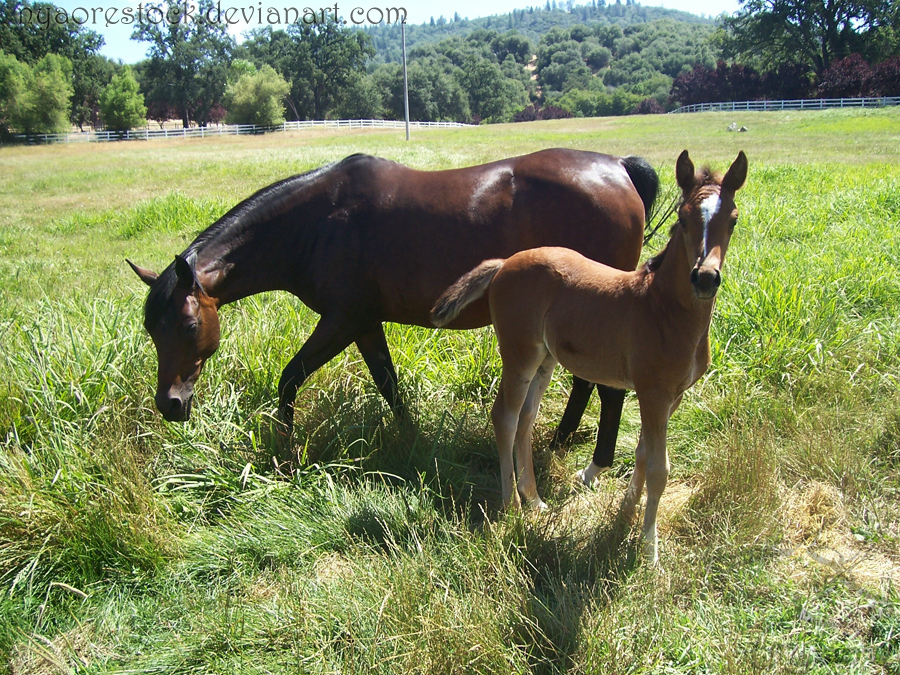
262	205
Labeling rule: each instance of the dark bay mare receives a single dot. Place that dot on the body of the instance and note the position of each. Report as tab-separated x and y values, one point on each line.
366	240
646	330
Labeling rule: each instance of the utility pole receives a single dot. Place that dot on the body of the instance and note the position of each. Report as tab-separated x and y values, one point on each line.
405	81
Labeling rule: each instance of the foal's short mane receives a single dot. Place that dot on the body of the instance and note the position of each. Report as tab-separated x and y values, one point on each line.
703	178
262	205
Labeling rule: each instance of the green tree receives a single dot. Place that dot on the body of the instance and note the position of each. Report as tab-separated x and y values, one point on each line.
29	31
121	104
361	99
188	63
772	33
35	100
492	97
13	78
318	59
257	98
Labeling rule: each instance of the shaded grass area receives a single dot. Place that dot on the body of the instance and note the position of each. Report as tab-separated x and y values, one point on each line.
128	544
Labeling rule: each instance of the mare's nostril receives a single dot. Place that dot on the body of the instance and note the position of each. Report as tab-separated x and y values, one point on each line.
717	280
695	276
175	406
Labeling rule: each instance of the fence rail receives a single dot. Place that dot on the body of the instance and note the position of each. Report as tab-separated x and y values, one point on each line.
796	104
227	130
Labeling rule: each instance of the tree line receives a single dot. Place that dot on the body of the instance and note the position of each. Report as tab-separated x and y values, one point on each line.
536	63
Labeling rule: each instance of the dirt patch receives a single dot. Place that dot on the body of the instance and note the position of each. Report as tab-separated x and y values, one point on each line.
332	567
817	533
69	652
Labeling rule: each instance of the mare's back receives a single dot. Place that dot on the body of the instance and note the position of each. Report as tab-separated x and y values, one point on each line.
419	231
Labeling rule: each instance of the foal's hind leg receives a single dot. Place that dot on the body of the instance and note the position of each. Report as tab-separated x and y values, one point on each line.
515	383
374	349
527	486
611	401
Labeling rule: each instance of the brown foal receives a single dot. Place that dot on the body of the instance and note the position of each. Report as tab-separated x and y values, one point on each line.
646	330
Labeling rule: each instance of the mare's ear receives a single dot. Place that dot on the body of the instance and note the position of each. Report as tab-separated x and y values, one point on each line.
684	172
144	274
184	271
737	173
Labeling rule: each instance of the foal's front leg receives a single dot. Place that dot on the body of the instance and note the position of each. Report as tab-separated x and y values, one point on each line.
651	464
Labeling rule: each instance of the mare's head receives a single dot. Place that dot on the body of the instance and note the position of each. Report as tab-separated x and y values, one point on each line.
707	216
183	322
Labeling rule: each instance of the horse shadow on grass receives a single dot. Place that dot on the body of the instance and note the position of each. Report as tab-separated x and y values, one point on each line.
576	555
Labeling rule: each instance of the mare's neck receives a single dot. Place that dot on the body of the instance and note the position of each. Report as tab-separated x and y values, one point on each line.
268	255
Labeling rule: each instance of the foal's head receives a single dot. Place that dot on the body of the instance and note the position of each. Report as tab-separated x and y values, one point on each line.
707	216
183	322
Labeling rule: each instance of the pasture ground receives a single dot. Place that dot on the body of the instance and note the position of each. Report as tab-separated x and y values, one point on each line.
128	544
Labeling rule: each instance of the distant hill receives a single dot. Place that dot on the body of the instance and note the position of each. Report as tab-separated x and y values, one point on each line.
533	22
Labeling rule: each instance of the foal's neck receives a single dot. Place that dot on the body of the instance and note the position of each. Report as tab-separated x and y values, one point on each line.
671	283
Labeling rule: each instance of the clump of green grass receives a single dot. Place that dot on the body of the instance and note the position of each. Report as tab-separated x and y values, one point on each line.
168	214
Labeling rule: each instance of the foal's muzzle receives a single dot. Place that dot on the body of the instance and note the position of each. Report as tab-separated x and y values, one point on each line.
706	281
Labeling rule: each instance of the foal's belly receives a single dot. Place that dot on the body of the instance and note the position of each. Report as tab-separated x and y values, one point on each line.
601	366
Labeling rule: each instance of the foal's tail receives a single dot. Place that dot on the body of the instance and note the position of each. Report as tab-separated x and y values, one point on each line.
466	290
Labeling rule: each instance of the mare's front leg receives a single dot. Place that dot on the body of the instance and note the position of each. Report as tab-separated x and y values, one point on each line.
611	401
374	349
331	336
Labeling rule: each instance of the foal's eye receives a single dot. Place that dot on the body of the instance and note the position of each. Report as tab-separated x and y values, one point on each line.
731	226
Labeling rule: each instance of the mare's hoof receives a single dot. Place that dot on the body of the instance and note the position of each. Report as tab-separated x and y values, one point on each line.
537	504
588	475
582	478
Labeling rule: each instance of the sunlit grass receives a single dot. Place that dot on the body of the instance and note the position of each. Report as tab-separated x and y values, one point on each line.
131	544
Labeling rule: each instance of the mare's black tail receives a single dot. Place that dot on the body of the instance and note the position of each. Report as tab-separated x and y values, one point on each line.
645	181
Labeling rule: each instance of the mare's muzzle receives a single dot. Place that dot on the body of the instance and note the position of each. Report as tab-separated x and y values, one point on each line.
706	281
175	408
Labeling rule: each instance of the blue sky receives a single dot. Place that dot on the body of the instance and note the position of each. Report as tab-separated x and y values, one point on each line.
120	46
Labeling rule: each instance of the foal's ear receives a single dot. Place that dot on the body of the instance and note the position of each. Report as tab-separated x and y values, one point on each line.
144	274
737	173
684	172
184	271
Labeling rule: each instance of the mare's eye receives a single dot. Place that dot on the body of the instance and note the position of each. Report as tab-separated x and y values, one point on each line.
190	328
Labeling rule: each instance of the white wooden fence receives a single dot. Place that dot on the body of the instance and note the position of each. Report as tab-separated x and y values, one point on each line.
228	130
796	104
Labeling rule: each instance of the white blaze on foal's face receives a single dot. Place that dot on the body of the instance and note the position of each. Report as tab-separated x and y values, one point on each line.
709	207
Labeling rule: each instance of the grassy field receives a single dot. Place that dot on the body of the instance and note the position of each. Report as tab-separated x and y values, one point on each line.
128	544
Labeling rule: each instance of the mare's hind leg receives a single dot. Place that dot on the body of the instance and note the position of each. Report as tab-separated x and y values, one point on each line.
374	349
578	400
611	401
527	486
515	383
329	338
